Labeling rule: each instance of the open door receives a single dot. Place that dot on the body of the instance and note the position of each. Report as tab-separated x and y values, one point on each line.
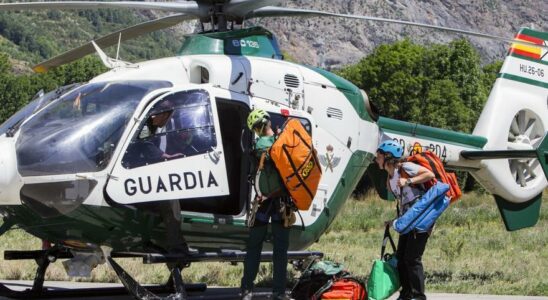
176	152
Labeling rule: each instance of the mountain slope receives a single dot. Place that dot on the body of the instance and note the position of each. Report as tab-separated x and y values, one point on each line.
328	42
335	41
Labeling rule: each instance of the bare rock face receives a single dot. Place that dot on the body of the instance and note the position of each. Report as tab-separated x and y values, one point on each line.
19	67
332	42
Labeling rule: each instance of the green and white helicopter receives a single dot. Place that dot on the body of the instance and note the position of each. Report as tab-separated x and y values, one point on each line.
82	168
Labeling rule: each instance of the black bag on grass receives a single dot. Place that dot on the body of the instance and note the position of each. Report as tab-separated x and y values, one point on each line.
316	275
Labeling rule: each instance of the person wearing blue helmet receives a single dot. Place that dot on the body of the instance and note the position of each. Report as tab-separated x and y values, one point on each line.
405	181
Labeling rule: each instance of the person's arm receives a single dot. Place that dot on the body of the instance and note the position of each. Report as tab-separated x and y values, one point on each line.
389	188
422	175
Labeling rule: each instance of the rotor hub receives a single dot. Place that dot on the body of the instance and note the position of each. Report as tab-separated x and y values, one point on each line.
523	139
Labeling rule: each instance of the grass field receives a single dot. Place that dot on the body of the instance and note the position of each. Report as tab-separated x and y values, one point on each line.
469	252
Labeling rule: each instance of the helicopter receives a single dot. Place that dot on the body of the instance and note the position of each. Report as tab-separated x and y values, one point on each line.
83	169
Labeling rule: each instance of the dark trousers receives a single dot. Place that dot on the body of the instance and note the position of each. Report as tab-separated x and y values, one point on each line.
170	211
254	247
409	253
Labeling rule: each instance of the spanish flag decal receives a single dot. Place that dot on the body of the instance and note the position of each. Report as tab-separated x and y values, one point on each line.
526	50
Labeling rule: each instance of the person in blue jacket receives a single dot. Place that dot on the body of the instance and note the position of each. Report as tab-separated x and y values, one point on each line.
406	189
273	200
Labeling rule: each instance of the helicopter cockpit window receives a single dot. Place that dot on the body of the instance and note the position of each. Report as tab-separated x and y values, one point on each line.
79	132
178	126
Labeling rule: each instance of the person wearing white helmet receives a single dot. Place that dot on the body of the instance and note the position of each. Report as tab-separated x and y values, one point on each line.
405	181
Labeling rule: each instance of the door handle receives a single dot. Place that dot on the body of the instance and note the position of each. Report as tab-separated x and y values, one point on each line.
215	155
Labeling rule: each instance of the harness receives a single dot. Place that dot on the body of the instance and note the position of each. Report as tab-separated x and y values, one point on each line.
287	207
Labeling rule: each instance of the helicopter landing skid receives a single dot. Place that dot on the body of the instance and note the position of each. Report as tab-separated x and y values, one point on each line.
177	262
140	292
175	284
43	259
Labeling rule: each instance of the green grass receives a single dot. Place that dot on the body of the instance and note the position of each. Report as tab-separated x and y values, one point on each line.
469	252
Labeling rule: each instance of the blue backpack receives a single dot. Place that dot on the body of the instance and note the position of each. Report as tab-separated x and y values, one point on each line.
422	215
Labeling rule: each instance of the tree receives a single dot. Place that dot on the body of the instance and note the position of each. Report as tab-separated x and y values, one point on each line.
437	85
17	91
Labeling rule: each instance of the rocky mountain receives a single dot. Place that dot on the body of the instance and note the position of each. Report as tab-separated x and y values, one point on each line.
332	42
322	41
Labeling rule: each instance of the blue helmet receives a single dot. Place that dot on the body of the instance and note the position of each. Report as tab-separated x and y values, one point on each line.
391	147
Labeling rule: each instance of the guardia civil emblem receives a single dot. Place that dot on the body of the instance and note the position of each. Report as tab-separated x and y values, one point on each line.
329	160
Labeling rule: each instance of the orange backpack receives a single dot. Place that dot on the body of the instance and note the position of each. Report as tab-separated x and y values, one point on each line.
433	163
295	159
345	289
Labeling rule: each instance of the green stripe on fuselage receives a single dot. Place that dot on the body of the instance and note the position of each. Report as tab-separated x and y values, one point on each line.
523	80
126	229
431	133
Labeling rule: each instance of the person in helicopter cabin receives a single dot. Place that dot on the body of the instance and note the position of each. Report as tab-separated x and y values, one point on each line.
157	124
411	246
152	146
273	200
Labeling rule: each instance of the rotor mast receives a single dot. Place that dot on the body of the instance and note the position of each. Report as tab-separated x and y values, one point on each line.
217	17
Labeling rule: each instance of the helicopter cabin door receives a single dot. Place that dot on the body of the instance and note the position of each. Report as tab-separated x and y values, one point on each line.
174	152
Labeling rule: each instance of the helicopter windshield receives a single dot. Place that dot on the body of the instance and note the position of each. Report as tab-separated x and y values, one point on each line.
79	132
35	105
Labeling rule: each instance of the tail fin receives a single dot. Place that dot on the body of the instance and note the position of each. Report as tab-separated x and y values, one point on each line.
515	117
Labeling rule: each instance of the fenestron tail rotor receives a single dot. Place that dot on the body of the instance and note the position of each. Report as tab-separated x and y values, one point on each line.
525	133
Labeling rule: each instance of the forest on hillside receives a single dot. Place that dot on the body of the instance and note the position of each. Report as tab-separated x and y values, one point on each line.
33	36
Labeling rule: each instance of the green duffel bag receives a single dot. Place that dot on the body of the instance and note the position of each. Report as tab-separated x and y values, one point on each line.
384	279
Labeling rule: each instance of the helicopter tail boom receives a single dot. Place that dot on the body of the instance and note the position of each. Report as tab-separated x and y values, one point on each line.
540	153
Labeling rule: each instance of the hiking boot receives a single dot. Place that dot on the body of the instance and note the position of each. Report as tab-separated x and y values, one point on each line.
246	295
404	296
278	296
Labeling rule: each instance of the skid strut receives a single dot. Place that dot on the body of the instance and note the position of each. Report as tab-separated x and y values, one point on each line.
140	292
175	284
43	259
177	262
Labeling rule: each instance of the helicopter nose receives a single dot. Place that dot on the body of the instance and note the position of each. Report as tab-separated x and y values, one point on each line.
9	178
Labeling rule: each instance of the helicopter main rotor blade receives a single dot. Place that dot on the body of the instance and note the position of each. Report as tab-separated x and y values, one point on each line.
187	7
241	8
112	39
290	12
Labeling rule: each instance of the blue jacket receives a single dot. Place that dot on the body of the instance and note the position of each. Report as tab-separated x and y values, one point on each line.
422	215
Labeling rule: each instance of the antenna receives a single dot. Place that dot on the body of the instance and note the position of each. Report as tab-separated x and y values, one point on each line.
118	49
107	61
